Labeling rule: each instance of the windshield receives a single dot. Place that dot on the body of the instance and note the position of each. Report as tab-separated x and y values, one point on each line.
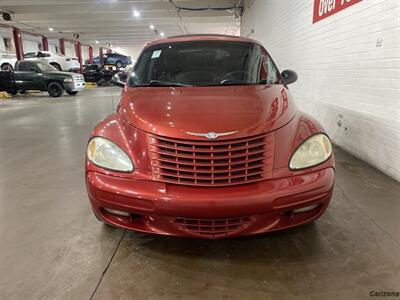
200	63
45	67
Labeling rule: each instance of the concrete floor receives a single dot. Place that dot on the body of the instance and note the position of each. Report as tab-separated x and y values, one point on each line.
52	247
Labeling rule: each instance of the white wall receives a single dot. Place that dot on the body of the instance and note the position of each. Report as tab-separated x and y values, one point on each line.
85	53
30	43
6	33
70	49
348	66
133	52
53	46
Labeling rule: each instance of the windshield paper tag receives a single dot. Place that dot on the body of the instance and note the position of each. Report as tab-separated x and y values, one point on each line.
156	54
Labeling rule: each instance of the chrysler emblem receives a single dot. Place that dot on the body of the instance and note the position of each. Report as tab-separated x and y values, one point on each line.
212	135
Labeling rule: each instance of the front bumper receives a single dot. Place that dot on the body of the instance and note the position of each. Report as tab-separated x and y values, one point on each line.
168	209
75	86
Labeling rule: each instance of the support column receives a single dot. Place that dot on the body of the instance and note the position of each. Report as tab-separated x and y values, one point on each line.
45	43
101	54
90	55
19	47
78	53
62	46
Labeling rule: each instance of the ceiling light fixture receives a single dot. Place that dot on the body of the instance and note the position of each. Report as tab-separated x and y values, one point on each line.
136	14
152	27
162	33
51	29
97	42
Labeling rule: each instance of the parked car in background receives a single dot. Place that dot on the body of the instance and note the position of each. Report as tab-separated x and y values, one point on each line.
97	74
59	61
115	59
7	60
92	73
207	141
37	75
128	68
119	78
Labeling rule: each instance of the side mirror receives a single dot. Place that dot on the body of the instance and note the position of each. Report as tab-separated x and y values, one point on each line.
289	76
115	80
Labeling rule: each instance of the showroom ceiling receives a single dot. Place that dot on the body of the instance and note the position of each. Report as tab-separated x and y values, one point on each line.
122	22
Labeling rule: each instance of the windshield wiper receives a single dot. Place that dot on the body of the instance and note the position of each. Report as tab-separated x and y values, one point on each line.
230	82
165	83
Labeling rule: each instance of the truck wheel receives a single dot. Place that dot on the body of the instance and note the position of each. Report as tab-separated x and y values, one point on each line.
119	64
6	67
55	89
57	66
22	92
14	92
72	93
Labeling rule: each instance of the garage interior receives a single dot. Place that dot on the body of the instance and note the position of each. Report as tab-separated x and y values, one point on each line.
52	246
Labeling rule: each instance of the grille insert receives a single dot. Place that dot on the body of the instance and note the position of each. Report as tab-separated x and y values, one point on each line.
212	227
211	163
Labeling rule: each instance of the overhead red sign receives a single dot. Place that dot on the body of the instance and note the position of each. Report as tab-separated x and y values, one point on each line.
326	8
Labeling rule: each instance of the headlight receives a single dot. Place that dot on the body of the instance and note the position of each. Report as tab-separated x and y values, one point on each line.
67	80
313	151
106	154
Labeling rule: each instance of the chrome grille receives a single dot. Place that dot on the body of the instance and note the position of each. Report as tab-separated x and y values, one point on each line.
211	163
79	78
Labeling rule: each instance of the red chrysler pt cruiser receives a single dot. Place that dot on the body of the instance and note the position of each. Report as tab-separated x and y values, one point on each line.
207	142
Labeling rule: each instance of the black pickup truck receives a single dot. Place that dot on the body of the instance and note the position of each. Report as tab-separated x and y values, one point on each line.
37	75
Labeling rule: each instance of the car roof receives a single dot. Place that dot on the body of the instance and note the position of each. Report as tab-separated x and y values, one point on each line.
202	37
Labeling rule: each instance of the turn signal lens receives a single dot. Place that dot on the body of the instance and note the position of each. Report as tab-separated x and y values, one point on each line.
313	151
106	154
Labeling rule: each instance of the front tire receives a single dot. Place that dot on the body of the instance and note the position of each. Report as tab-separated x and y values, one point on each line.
55	89
119	64
72	93
6	67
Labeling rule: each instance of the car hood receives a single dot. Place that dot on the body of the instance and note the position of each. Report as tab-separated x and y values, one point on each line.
177	112
66	74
